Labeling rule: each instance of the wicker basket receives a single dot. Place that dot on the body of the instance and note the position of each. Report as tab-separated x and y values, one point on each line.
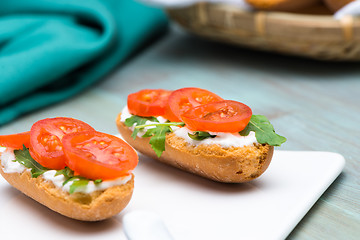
315	36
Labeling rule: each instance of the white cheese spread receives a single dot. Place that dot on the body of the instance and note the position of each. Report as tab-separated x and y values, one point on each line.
89	188
9	166
125	114
223	139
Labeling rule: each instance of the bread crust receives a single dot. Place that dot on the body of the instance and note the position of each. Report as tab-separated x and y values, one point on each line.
96	206
281	5
232	165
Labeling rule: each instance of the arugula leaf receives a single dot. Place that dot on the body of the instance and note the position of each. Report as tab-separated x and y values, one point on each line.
129	122
200	135
23	157
77	181
67	180
158	134
97	181
264	131
67	172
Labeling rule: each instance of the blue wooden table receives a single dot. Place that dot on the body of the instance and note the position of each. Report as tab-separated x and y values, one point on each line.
316	105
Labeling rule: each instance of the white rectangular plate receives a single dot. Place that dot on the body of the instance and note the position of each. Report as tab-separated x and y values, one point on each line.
192	207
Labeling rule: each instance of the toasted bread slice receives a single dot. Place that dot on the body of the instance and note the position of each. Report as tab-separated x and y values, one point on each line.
98	205
230	165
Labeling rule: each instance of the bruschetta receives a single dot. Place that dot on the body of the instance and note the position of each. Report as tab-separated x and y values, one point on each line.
67	166
198	131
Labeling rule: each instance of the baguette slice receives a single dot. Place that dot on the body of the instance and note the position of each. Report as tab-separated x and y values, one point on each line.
232	165
96	206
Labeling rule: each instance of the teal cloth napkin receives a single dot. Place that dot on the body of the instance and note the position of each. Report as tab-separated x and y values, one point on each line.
51	50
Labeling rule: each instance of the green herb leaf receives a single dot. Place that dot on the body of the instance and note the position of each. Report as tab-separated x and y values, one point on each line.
78	183
67	172
264	131
158	136
97	181
200	135
23	156
67	180
129	122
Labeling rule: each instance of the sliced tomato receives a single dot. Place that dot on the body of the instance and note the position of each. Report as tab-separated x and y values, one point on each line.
15	141
148	102
224	116
183	99
97	155
45	140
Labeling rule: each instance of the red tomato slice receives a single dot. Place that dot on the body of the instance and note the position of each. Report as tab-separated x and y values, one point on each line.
148	102
15	141
97	155
45	140
183	99
224	116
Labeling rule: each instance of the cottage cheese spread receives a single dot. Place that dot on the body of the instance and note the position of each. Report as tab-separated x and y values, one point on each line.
223	139
9	166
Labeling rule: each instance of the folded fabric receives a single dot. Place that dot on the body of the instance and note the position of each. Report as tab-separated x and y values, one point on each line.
51	50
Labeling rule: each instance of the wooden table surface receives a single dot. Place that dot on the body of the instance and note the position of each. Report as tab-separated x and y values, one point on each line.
316	105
